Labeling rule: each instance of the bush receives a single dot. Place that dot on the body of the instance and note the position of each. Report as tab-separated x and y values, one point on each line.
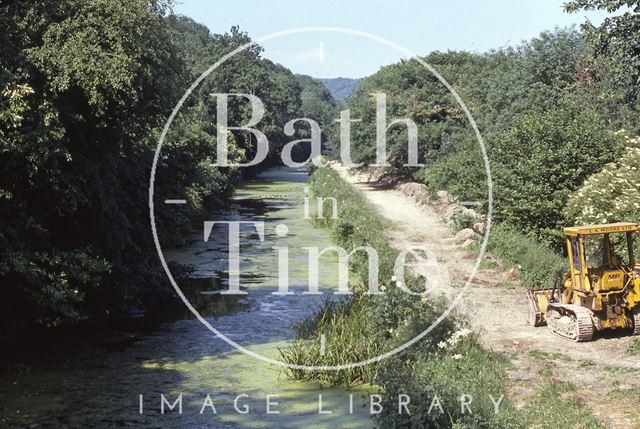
611	195
535	165
461	172
543	158
463	220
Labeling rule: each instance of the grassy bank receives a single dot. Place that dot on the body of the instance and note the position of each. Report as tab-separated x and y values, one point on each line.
445	364
364	323
536	262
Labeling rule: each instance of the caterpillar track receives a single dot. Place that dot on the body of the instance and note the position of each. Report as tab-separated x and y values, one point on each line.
636	321
572	321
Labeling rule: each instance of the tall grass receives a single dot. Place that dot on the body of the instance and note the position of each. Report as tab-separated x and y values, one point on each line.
347	324
536	262
362	323
557	404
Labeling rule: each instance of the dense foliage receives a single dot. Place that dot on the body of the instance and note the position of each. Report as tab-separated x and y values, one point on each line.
85	88
612	72
317	102
319	105
535	163
548	110
611	195
497	87
79	99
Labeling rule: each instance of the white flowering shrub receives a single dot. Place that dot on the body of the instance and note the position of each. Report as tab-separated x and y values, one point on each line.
611	195
454	339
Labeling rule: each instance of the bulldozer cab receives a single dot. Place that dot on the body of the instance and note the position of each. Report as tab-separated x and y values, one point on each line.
600	255
601	263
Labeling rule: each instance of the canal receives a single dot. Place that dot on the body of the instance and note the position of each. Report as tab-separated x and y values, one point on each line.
98	387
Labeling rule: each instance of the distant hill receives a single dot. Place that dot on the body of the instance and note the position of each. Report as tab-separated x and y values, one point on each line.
317	101
340	88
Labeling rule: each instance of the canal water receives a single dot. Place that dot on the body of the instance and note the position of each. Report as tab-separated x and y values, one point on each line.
101	388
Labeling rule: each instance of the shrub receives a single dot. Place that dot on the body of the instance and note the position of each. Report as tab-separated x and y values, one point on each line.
461	172
463	220
535	165
611	195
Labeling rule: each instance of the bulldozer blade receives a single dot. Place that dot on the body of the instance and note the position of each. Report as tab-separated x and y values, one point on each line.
539	299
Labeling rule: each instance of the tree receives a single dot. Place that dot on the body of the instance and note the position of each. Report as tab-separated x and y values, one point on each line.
497	87
535	164
71	179
85	88
317	102
615	66
319	105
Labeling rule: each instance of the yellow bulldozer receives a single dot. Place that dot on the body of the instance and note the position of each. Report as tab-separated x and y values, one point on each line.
601	289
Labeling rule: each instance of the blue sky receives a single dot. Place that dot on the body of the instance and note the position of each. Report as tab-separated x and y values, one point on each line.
418	26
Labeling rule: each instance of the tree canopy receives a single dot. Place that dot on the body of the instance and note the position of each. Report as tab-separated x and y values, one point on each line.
547	125
85	88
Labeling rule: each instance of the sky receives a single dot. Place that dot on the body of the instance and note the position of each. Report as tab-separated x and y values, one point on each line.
417	26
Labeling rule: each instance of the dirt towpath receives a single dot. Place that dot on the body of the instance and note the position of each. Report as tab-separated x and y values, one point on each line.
601	370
